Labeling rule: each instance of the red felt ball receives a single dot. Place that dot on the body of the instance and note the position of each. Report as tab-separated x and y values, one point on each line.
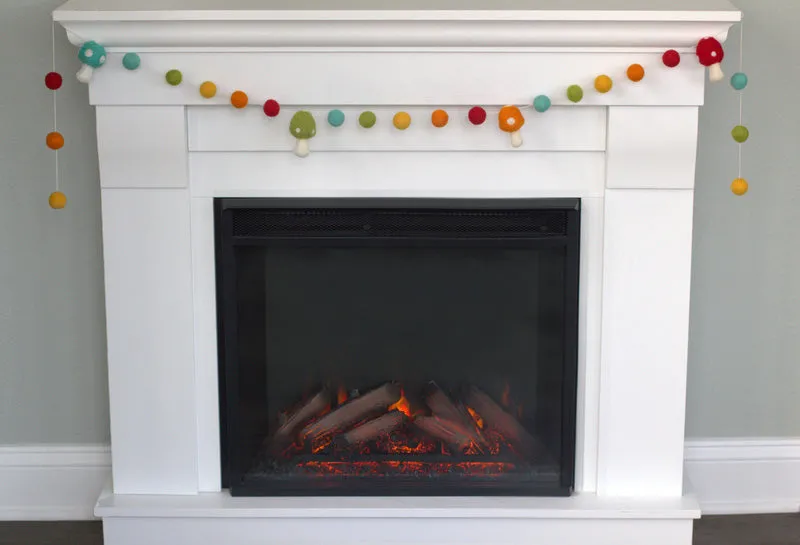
671	58
477	115
53	80
271	108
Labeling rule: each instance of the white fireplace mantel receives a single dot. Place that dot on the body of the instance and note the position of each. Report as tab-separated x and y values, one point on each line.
166	152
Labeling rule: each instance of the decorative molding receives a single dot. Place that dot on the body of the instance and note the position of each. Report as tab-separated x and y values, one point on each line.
424	23
632	35
52	482
740	476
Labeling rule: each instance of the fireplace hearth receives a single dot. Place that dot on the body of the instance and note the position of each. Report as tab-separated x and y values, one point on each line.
400	347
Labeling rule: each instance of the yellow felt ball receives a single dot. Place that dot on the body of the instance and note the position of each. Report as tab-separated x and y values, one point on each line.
602	84
739	186
57	200
401	120
208	89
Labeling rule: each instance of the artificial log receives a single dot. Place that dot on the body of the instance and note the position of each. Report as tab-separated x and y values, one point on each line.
455	436
313	407
355	410
442	407
372	429
508	426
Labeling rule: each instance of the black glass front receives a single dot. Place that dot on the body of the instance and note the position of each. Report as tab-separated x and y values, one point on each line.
386	347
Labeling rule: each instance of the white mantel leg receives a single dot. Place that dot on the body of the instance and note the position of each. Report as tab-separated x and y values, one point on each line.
148	271
646	277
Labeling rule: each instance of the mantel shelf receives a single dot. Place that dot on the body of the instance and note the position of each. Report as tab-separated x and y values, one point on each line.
355	23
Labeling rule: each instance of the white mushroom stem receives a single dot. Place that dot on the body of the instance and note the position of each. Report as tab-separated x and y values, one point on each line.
516	139
715	72
84	75
301	149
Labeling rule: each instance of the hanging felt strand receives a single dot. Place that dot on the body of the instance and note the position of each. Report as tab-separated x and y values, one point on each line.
55	140
740	133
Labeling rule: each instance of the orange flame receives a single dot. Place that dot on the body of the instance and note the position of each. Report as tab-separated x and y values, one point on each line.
341	396
402	405
476	417
506	395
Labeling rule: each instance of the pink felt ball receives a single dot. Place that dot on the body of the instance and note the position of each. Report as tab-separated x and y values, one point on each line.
271	108
477	115
671	58
53	80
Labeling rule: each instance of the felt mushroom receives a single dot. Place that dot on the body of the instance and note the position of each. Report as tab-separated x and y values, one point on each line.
511	121
92	55
710	53
303	127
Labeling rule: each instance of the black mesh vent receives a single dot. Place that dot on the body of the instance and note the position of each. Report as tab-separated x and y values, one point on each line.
356	222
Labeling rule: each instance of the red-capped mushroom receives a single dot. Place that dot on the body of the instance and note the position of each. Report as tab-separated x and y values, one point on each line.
710	53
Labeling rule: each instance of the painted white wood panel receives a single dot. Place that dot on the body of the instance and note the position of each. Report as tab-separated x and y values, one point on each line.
357	531
398	174
646	277
652	147
205	344
589	330
389	78
560	129
151	371
142	146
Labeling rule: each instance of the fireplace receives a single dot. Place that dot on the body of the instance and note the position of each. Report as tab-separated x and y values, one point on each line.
401	347
427	268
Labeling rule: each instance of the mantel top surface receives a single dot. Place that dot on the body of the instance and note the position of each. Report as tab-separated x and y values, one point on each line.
555	10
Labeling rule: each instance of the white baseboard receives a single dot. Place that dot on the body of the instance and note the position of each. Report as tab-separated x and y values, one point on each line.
729	476
52	482
744	476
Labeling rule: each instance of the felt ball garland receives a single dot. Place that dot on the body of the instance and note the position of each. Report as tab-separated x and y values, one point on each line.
740	133
709	53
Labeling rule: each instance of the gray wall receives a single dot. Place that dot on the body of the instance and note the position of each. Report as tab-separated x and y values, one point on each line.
744	353
744	375
52	346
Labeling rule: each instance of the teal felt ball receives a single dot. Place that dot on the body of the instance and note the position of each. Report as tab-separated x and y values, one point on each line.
739	81
131	61
541	103
335	118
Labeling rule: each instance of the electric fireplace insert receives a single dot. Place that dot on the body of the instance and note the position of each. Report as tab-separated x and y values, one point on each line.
398	346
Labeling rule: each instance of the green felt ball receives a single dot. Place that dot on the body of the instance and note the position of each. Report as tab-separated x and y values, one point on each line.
174	77
131	61
739	81
541	103
575	93
336	118
367	119
740	133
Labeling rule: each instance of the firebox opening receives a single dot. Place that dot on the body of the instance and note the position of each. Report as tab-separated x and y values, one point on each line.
398	347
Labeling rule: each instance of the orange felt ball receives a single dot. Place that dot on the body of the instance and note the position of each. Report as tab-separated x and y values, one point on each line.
636	72
57	200
239	99
55	140
439	118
